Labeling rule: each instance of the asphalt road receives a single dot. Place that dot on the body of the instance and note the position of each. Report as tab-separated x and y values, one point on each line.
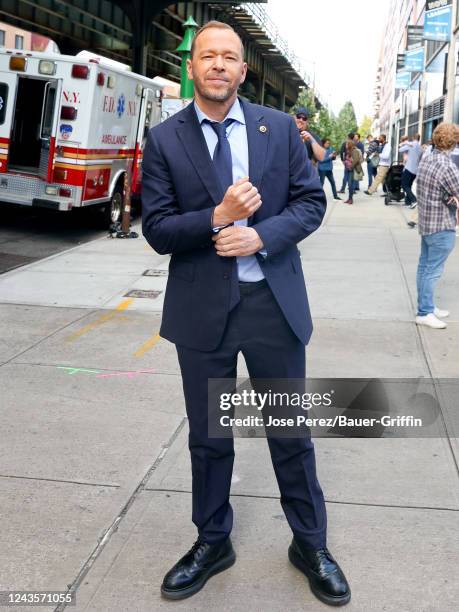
27	235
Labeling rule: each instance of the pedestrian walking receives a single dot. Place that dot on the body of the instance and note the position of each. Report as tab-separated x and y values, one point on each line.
412	148
372	158
438	194
360	146
325	167
342	155
383	165
352	165
236	285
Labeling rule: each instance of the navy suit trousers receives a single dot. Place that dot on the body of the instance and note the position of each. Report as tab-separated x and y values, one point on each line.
257	328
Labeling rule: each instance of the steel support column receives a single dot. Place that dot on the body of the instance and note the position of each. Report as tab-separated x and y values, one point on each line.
141	16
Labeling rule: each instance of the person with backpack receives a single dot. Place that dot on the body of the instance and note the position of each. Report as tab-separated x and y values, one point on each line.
360	146
342	155
352	167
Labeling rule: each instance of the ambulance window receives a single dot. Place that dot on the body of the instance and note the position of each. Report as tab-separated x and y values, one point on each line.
148	113
48	111
3	98
147	119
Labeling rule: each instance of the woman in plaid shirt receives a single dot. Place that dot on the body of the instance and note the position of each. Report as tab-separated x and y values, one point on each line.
437	192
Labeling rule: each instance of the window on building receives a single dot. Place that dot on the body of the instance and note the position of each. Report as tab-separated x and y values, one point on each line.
2	38
18	42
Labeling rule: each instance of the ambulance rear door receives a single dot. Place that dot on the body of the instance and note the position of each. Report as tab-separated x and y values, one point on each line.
48	128
146	120
8	83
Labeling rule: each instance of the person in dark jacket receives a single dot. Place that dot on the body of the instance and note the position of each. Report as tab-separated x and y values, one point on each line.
325	167
311	141
352	162
228	191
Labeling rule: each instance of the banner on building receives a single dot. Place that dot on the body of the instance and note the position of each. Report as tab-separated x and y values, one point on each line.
414	59
414	36
400	61
402	80
437	20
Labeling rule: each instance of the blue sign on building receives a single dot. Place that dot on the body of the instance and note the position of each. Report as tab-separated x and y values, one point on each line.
402	80
437	24
414	59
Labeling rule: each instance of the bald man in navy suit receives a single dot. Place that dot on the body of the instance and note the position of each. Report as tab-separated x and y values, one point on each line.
228	191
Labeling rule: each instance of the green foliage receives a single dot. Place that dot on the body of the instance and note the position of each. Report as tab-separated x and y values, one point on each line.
346	122
306	98
365	127
326	125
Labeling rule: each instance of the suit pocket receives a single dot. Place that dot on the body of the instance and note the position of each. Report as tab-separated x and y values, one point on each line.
182	269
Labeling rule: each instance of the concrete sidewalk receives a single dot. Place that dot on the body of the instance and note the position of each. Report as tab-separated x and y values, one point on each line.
94	466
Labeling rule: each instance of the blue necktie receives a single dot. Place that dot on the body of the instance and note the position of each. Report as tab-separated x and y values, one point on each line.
224	165
222	153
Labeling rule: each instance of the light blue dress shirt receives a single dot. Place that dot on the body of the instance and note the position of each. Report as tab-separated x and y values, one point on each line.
247	267
415	152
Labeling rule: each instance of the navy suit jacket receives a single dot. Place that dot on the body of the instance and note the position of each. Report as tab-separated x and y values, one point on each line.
180	189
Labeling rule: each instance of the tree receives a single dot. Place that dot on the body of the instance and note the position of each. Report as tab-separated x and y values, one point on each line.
365	127
306	98
346	122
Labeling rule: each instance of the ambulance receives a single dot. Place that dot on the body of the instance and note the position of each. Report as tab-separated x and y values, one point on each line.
70	128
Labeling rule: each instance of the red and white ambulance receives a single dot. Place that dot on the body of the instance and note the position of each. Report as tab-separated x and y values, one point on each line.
70	126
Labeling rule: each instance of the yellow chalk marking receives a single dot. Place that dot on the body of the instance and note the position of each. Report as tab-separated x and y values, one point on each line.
149	344
111	315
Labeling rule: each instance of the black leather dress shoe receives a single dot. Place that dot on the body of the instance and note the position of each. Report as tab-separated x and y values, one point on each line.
192	571
325	576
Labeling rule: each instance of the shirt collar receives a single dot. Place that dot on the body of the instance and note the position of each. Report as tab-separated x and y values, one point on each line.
235	112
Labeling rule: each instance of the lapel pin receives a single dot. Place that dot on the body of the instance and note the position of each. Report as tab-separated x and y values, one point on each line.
263	129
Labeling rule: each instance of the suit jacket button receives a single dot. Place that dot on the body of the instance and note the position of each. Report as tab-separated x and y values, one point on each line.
226	276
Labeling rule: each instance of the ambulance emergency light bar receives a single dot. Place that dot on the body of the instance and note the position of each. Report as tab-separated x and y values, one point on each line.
79	71
47	67
18	63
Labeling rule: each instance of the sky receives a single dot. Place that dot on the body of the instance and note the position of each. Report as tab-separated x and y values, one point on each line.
339	40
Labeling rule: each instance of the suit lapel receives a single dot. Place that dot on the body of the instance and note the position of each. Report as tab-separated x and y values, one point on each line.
257	139
194	143
258	136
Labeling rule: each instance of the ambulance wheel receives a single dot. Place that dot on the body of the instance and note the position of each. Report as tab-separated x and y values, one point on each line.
114	208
